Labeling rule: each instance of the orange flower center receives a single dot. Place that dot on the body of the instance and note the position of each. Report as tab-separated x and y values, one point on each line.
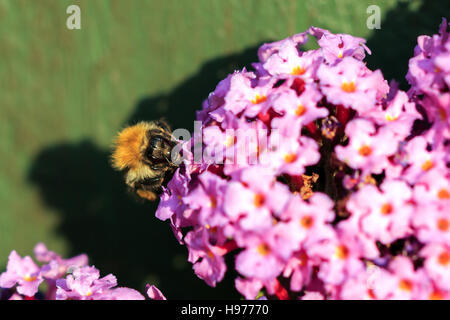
259	99
365	150
443	194
386	209
301	110
263	249
298	71
212	202
342	252
391	117
444	258
427	165
436	295
348	86
443	224
210	254
290	157
371	294
211	229
29	278
307	222
303	258
229	141
259	200
405	285
442	114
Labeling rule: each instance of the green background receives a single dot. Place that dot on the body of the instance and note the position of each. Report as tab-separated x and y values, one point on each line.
65	93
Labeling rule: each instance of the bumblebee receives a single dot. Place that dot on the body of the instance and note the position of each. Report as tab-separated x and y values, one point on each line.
144	153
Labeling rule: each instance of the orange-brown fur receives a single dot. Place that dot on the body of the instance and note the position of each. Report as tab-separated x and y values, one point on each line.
128	146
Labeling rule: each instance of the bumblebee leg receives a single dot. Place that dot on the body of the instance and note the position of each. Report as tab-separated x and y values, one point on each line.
146	194
150	185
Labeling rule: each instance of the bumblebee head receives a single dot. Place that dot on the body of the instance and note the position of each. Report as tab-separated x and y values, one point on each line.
140	144
159	148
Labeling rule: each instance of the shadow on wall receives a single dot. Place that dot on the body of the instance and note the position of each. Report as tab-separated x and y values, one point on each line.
120	234
393	45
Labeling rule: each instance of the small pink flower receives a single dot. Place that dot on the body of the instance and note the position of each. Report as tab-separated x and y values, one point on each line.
434	188
310	220
368	149
269	49
171	200
399	115
242	94
352	85
405	283
207	198
339	258
16	296
249	288
288	61
57	266
437	264
290	155
244	146
337	46
432	223
442	63
259	259
427	70
421	161
122	293
252	201
300	269
154	293
84	284
386	217
297	110
359	287
209	264
437	105
23	272
219	145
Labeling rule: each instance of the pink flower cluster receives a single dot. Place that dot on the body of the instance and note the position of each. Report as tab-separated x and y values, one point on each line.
348	195
66	279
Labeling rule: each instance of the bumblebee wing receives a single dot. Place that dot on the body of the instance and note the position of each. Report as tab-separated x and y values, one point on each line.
162	123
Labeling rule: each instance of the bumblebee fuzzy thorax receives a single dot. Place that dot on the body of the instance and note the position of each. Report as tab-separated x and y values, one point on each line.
130	146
